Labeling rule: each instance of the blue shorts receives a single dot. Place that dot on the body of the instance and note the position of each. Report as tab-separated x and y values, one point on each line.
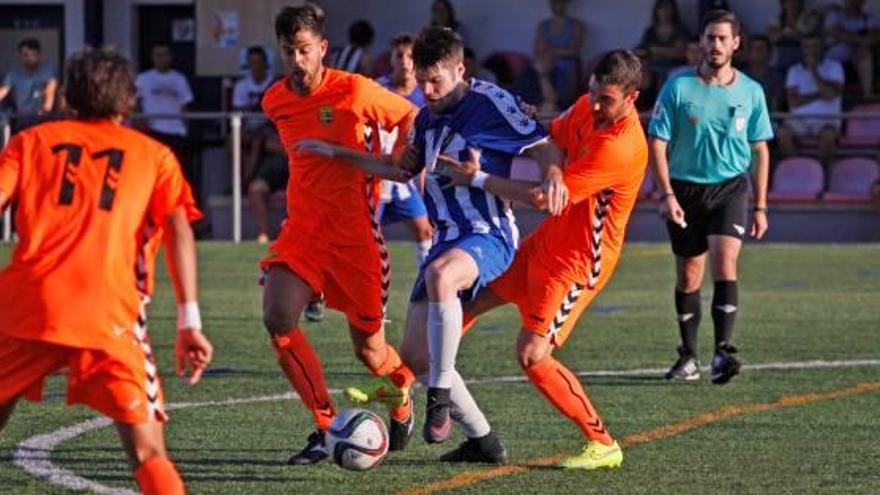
492	254
402	209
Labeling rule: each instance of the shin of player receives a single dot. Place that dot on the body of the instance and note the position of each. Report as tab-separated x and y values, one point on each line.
121	194
331	243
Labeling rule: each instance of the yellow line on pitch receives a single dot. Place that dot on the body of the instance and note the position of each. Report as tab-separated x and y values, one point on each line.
659	433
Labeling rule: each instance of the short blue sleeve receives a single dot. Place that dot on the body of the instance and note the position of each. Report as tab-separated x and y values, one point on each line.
663	115
496	122
760	128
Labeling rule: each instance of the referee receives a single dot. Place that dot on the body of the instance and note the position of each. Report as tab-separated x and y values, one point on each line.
707	127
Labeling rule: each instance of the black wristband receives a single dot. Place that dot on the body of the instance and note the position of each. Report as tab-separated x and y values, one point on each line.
760	208
666	195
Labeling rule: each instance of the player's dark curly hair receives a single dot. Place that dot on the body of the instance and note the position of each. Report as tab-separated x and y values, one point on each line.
98	84
292	20
619	67
437	44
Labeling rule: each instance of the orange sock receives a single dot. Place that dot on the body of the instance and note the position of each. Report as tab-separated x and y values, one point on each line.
562	388
303	370
158	476
467	322
400	374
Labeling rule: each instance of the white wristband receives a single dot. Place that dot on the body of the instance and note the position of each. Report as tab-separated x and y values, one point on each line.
188	316
479	179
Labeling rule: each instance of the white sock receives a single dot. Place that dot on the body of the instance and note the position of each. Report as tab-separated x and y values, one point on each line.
465	410
422	248
444	334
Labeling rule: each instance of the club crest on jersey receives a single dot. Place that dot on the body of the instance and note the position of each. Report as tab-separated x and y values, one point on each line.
325	115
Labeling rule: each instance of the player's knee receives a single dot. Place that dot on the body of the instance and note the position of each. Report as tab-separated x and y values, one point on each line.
531	351
438	278
278	320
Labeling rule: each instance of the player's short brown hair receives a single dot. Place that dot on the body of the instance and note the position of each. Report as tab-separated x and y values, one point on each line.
98	84
720	16
619	67
292	20
437	44
402	39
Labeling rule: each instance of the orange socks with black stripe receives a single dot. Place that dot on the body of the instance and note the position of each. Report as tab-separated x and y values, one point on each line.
562	388
303	370
158	476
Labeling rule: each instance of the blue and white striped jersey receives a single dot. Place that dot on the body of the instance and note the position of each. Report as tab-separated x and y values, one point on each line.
489	119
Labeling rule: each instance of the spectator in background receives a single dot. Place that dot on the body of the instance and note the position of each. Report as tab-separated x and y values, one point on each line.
247	96
355	56
851	35
32	85
813	87
473	69
785	35
760	69
665	37
443	15
707	6
269	178
651	82
558	44
163	90
693	56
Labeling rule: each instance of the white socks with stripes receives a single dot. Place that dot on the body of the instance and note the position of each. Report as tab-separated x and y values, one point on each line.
444	335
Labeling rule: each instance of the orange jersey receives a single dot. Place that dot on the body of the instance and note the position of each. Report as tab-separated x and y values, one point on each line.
604	170
91	199
327	198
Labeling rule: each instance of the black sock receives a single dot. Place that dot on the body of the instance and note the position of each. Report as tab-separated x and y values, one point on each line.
687	306
725	303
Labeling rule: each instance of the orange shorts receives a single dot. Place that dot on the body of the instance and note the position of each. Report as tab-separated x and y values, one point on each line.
121	383
549	302
353	279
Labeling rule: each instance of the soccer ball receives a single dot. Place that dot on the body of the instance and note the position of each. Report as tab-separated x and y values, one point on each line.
357	440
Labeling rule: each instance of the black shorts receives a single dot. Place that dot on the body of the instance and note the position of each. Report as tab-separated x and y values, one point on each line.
274	172
709	209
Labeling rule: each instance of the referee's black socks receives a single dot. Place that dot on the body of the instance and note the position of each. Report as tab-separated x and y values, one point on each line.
687	306
725	304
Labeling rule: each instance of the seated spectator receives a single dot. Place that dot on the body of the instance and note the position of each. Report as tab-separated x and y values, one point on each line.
665	37
443	15
558	44
651	82
760	69
851	35
785	34
693	55
247	97
355	56
474	69
271	176
706	6
32	85
813	87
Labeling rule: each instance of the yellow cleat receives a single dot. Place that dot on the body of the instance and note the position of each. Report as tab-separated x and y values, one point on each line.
595	455
380	389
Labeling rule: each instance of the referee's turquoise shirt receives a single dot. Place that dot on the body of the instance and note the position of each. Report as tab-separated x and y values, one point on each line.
709	128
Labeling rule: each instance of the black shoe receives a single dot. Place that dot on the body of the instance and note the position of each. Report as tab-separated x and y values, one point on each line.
438	423
315	310
686	368
724	365
487	449
399	432
315	451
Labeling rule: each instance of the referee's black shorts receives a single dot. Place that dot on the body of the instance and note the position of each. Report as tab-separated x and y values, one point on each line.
709	209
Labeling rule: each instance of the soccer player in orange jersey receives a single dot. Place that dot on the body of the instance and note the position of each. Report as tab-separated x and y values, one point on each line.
93	201
561	267
331	243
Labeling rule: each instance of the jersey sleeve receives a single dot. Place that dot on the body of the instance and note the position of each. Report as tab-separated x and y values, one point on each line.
607	166
416	137
172	191
498	123
239	95
186	95
760	128
385	108
562	127
663	115
10	165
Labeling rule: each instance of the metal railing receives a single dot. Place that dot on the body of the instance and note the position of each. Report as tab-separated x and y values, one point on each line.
235	119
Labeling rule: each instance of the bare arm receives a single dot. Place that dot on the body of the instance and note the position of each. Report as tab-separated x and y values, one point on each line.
468	173
549	158
761	157
4	91
669	207
192	348
49	95
385	166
